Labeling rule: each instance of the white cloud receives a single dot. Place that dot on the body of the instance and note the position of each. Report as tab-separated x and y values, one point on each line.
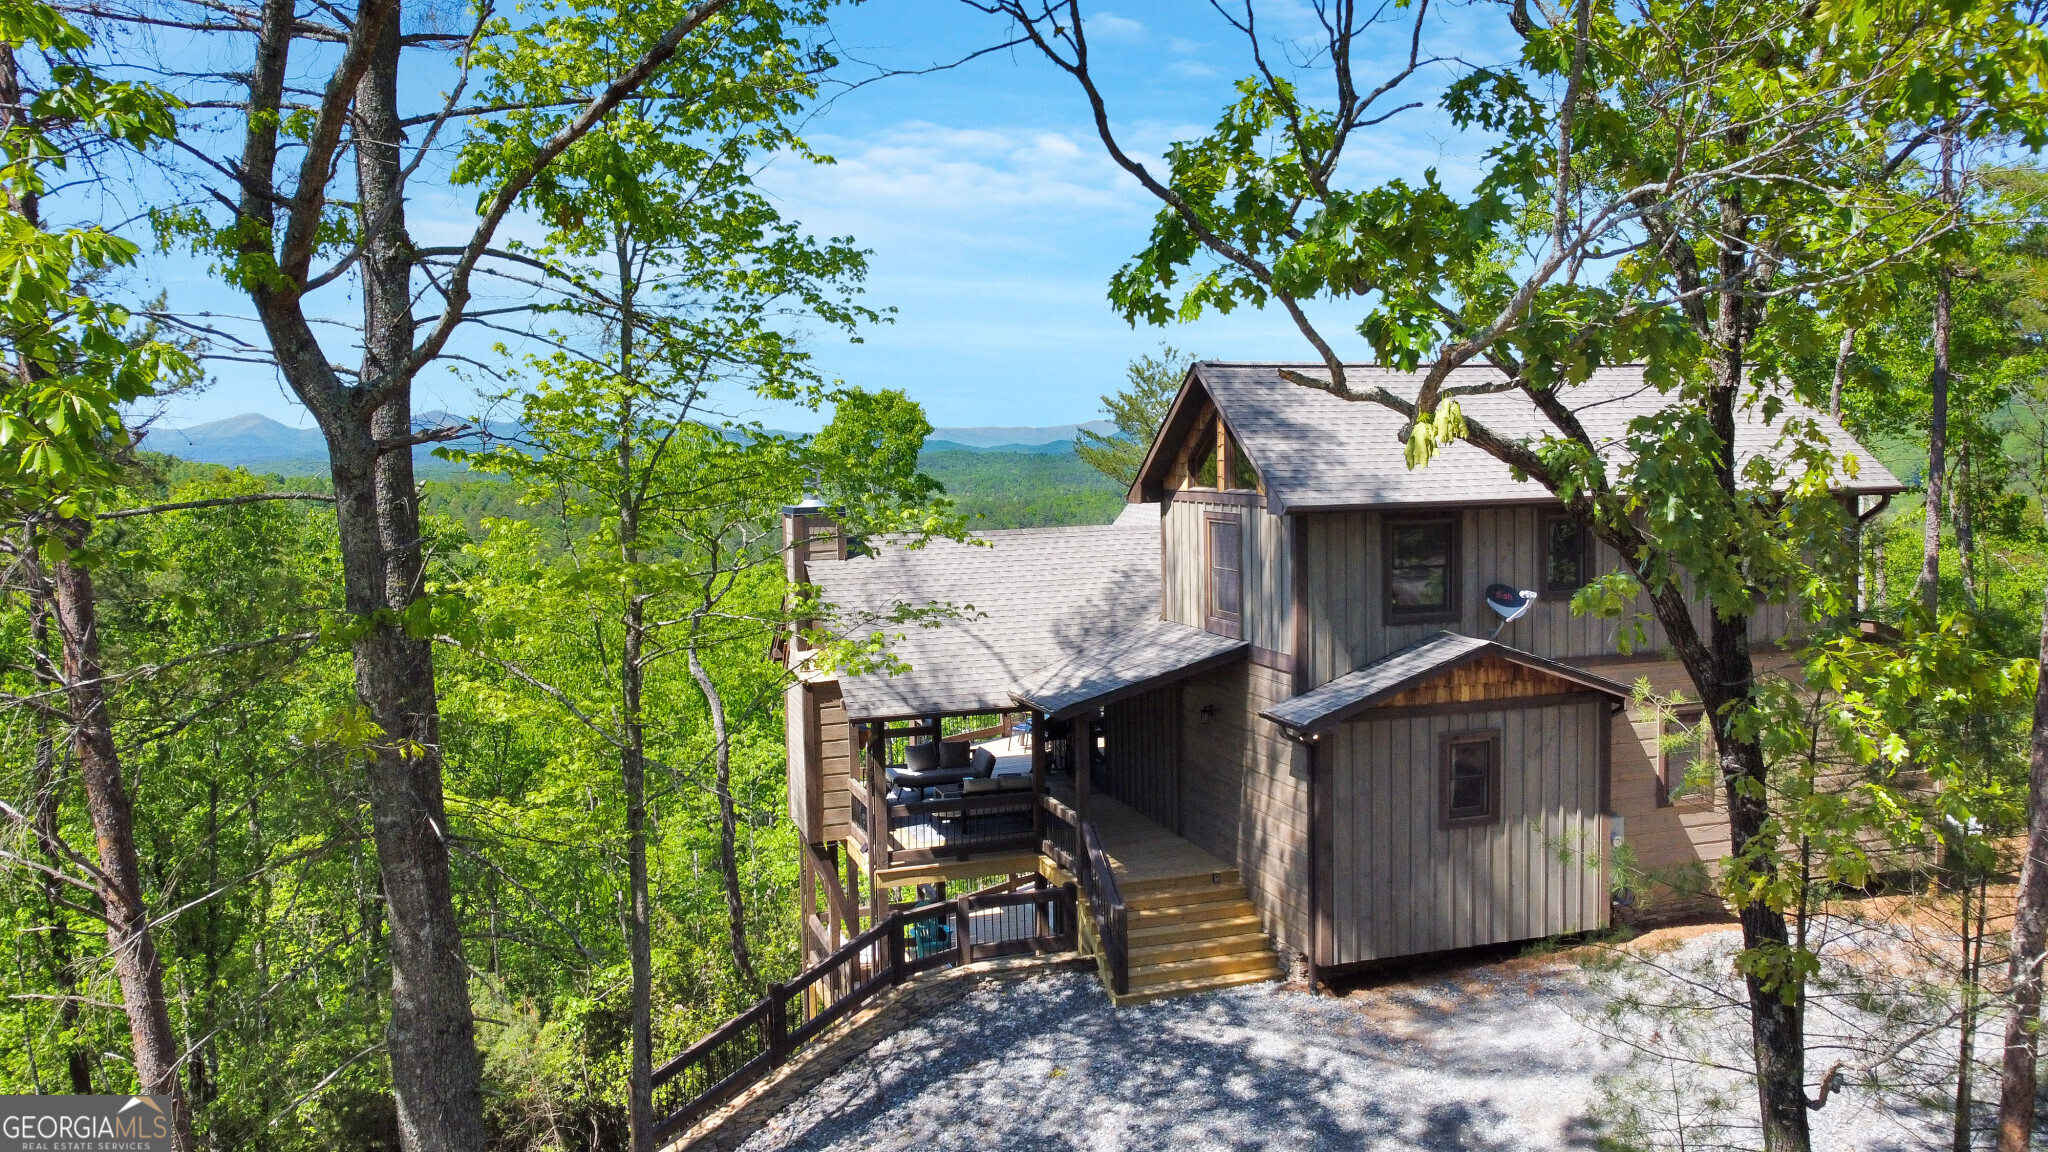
1182	44
1192	69
1110	26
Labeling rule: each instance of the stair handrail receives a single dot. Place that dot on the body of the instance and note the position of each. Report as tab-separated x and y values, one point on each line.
1106	905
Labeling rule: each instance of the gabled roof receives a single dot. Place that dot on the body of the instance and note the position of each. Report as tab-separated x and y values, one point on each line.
1038	597
1343	698
1315	451
1148	655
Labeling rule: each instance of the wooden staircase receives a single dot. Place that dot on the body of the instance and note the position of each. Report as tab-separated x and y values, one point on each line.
1190	934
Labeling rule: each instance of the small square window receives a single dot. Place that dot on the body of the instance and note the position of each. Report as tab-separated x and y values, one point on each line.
1421	570
1470	779
1567	554
1684	757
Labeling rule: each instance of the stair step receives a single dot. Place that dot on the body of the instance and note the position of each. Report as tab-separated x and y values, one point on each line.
1154	953
1166	932
1171	897
1175	971
1134	889
1189	987
1184	913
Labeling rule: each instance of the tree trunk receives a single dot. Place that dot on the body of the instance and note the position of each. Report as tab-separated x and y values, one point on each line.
1929	587
1959	515
431	1038
2016	1082
633	756
129	940
44	819
728	823
1842	354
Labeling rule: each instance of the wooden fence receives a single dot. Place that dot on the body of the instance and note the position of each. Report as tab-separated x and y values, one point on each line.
738	1053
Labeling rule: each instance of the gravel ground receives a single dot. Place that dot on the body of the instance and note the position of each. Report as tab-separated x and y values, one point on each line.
1496	1057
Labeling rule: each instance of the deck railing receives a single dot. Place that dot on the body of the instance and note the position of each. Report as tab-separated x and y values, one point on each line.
1071	843
1106	906
738	1053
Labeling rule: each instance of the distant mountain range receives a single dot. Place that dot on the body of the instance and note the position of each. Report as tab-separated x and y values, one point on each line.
257	442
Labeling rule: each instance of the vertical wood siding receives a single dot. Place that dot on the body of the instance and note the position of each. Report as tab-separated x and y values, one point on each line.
1142	755
1400	885
1268	577
835	759
1499	545
1244	791
818	741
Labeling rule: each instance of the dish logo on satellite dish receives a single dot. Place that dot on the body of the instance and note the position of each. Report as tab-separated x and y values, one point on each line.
1510	604
85	1124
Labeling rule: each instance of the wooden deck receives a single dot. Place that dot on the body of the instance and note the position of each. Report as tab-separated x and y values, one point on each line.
1145	855
1192	925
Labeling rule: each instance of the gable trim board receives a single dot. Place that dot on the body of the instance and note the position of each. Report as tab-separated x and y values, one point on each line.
1427	659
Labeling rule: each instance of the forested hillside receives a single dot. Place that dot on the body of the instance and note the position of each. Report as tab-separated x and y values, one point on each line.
427	800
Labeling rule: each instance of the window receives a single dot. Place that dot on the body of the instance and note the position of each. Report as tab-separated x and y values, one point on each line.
1684	766
1243	477
1202	457
1471	779
1567	555
1226	575
1421	570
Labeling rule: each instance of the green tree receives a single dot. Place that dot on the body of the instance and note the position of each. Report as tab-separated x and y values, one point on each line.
72	363
1137	412
310	217
1676	185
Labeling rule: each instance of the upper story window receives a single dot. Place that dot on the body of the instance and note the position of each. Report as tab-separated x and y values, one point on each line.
1225	545
1421	570
1567	554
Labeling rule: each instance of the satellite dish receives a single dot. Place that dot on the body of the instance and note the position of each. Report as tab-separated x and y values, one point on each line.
1510	604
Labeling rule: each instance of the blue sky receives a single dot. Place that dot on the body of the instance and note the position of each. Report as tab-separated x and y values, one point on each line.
994	216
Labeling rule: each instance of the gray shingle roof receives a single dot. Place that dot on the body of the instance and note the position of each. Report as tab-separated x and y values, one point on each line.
1149	654
1040	596
1432	656
1315	450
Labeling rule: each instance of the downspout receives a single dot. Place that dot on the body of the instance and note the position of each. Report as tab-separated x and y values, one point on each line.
1308	744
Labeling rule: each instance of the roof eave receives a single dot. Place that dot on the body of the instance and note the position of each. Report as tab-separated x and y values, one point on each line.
1337	716
1139	688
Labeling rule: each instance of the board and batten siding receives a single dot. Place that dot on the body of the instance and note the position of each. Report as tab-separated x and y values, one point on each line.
818	742
1395	883
1141	765
1344	594
1268	575
1244	791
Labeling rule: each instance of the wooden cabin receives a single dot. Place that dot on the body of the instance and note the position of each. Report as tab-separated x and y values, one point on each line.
1270	713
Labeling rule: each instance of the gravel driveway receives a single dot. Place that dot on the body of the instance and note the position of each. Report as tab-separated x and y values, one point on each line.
1493	1057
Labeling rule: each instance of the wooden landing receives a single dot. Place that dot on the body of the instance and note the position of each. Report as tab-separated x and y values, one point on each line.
1192	926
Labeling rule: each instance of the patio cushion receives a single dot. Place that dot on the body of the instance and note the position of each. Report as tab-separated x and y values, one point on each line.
984	761
955	753
921	757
